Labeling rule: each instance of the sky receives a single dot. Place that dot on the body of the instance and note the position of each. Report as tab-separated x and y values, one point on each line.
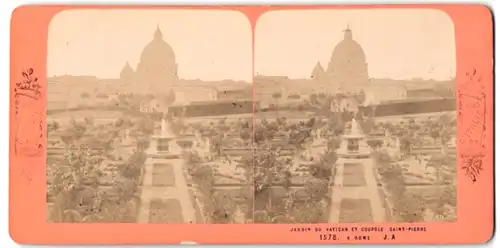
398	43
208	44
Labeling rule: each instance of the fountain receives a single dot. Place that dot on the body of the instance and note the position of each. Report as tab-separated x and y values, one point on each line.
353	144
163	145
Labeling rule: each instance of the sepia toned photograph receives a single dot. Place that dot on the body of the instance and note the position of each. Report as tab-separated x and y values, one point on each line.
156	116
149	117
356	117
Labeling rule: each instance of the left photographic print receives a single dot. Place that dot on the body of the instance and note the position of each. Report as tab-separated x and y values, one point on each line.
147	112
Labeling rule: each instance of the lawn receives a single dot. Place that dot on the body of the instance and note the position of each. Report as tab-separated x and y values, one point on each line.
165	211
355	211
163	175
354	175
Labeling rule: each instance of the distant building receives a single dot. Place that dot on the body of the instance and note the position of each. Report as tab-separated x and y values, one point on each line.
347	70
127	74
376	94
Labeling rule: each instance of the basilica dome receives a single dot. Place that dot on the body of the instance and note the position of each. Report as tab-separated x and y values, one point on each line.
157	62
347	64
348	57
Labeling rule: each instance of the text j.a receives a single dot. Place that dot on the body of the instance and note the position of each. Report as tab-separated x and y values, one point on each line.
389	237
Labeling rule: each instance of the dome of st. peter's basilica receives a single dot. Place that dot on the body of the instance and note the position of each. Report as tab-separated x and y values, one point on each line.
348	65
157	62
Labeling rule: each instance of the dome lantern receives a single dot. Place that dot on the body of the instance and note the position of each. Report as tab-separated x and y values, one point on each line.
348	33
158	35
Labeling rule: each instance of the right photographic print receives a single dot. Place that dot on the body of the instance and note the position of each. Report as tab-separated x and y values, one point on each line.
355	118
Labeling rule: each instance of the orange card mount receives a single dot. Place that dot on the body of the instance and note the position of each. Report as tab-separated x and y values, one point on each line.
251	125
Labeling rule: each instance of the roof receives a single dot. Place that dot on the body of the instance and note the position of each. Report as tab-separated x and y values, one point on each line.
213	102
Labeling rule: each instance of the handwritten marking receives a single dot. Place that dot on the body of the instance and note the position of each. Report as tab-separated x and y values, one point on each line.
472	114
27	94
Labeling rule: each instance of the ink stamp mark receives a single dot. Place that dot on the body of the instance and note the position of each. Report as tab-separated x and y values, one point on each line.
28	114
472	166
472	117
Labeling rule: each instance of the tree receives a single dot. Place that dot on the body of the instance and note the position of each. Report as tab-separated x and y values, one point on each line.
361	97
169	98
130	101
263	134
375	144
434	131
445	183
54	126
276	95
299	137
307	206
76	130
346	116
146	125
270	170
79	173
323	169
142	143
407	141
217	142
76	182
245	135
281	121
313	208
217	207
132	169
123	122
407	207
367	125
336	124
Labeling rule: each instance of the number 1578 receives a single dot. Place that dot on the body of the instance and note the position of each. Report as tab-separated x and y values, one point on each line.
328	236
